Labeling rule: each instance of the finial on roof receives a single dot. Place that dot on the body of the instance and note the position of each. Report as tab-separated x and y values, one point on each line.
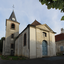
13	7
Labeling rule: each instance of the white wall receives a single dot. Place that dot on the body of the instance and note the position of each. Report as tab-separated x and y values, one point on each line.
36	39
52	46
22	50
32	43
39	39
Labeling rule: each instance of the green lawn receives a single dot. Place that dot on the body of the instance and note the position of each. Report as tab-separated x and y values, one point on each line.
13	57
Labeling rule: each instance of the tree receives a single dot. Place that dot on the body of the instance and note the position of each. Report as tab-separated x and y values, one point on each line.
1	43
57	4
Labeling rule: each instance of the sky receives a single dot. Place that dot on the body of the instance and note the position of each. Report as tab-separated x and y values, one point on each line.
26	11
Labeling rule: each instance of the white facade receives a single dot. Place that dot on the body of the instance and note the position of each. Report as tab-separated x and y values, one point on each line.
34	40
20	49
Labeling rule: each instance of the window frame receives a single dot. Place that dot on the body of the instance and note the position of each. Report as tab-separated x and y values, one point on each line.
12	27
12	35
12	45
25	39
44	34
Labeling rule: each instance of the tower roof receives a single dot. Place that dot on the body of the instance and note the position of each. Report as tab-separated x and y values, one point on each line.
36	23
12	16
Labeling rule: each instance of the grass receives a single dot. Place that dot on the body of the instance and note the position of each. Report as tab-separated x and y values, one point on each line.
59	54
13	57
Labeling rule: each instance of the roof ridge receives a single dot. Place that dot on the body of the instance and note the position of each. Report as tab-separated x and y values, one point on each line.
35	23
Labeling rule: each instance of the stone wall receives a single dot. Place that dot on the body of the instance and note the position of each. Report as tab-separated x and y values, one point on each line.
36	39
8	39
58	45
32	42
3	50
22	50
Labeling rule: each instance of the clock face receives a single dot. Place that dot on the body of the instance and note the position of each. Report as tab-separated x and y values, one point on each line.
13	19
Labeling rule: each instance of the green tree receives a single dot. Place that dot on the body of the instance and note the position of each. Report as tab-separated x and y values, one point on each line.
1	43
57	4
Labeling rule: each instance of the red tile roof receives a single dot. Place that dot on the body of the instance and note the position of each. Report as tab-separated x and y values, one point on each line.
36	23
59	37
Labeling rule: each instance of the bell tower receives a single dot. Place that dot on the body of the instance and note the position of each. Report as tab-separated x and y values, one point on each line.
12	31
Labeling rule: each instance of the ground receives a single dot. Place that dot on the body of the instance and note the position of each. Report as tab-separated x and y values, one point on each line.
48	60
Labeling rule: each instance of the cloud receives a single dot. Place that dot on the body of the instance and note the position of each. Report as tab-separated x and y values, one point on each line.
27	11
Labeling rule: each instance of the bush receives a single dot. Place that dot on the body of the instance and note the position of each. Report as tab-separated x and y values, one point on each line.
1	43
59	53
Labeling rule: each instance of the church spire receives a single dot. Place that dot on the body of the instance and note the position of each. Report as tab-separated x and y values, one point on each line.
12	16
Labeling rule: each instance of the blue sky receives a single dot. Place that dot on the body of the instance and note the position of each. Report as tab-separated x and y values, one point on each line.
26	12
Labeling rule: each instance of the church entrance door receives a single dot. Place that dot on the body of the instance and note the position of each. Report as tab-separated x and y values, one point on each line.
44	48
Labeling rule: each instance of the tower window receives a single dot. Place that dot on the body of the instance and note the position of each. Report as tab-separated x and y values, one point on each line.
12	36
24	39
44	34
13	26
12	45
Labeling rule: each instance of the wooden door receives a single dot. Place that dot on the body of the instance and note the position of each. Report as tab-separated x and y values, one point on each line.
44	48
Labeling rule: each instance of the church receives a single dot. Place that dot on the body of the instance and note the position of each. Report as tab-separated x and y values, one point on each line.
35	41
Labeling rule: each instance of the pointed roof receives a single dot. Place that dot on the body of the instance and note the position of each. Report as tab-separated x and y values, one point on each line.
36	23
12	16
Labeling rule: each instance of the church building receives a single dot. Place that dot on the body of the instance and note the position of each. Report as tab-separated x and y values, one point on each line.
35	41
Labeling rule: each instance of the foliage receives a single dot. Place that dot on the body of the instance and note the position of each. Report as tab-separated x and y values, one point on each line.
60	53
62	18
1	43
57	4
13	57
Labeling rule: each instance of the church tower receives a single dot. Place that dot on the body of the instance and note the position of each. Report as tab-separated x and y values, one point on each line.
12	31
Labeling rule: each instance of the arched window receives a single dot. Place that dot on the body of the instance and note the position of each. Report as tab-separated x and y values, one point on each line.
24	39
12	45
13	26
44	34
12	35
